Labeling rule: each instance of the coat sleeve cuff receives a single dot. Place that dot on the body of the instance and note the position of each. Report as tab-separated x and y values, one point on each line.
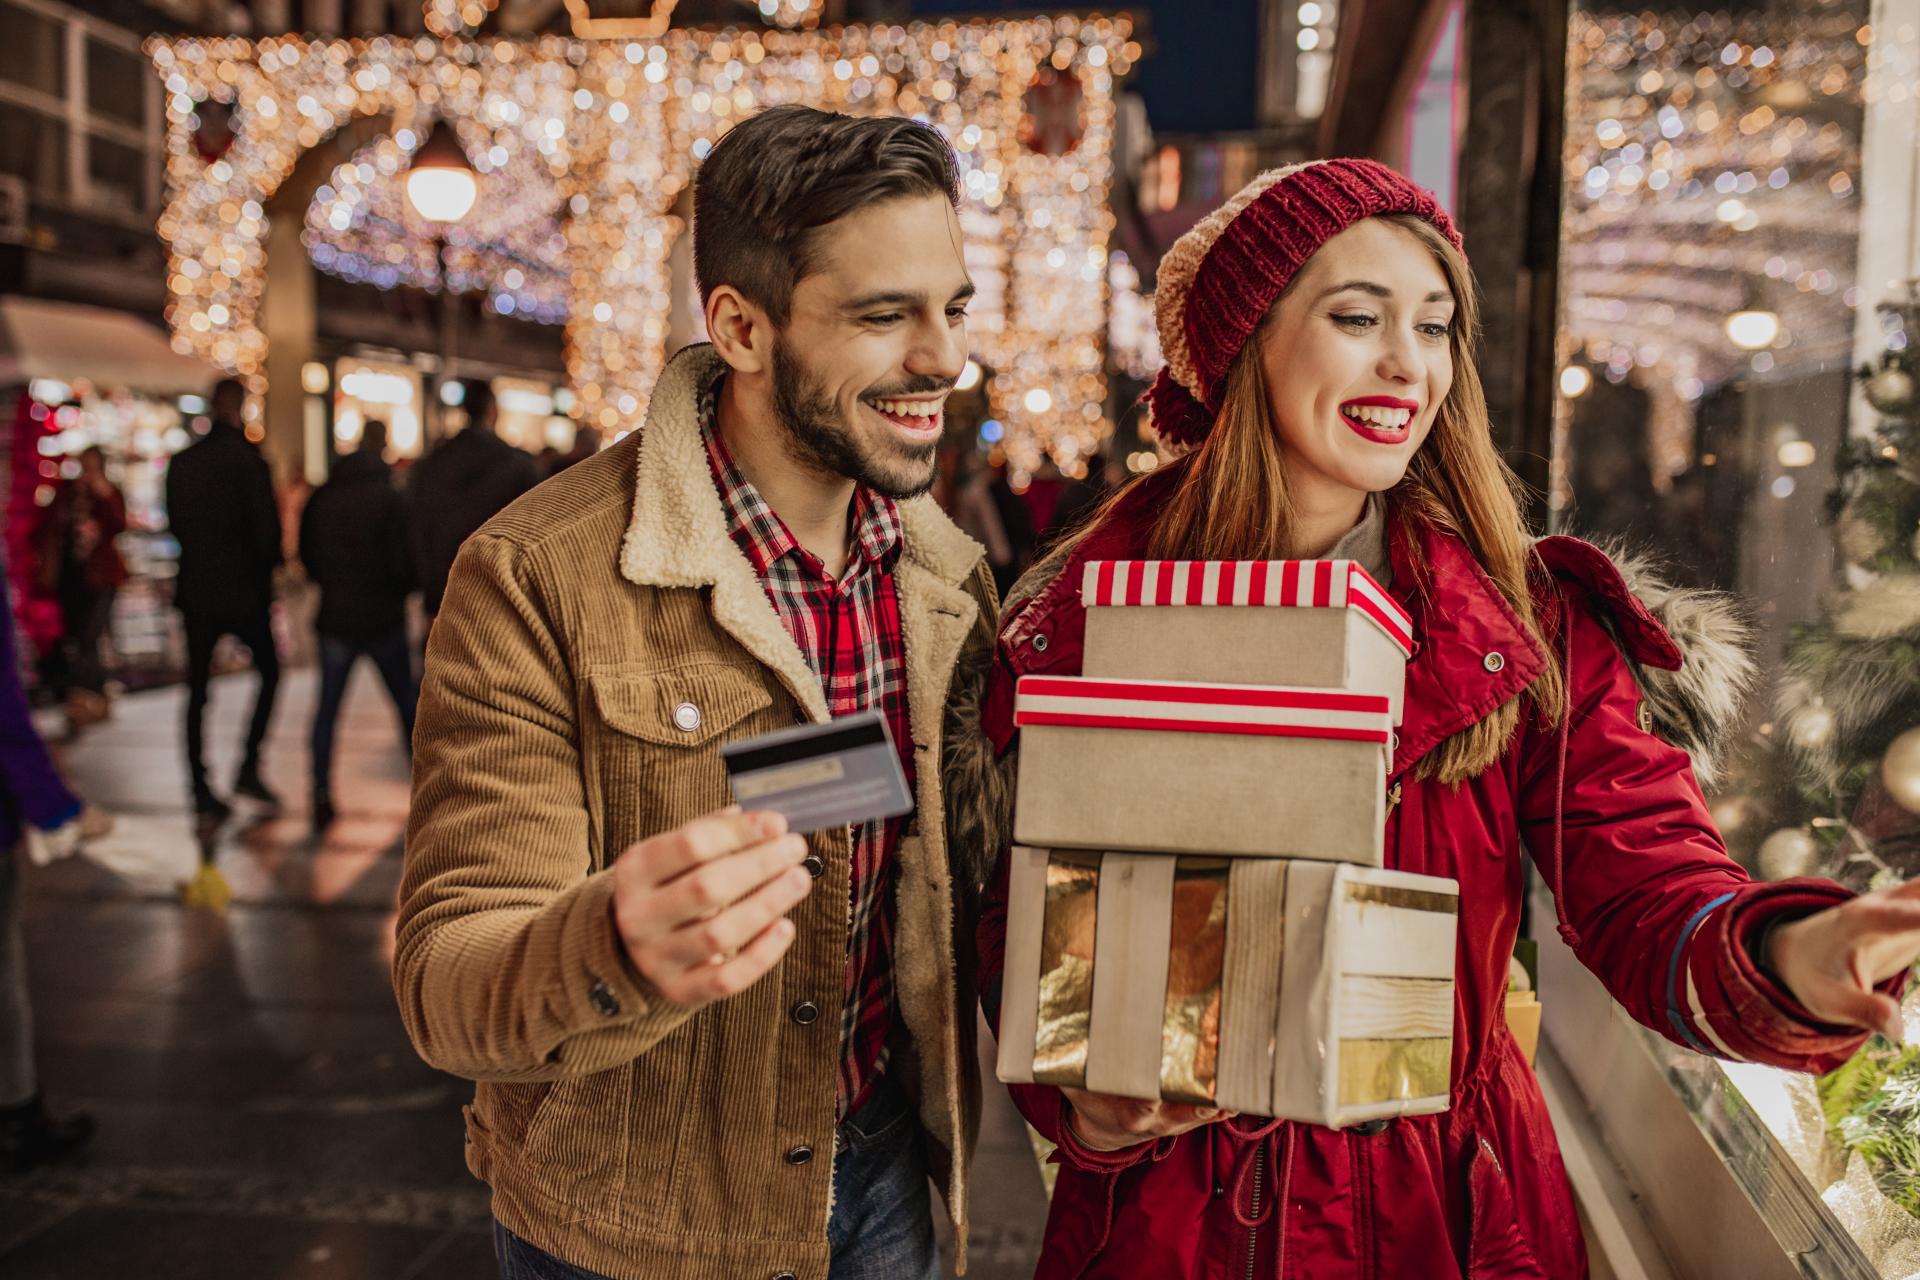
1075	1154
1755	1015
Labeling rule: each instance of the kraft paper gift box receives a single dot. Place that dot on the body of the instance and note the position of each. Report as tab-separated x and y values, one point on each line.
1320	623
1201	768
1311	991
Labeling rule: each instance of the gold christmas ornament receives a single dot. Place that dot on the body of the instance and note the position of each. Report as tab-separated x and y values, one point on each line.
1890	390
1787	853
1812	728
1859	538
1900	770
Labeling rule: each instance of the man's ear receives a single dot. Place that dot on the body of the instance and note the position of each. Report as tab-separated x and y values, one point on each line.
741	331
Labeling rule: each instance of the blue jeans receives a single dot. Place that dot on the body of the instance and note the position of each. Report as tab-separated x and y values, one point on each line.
882	1222
394	660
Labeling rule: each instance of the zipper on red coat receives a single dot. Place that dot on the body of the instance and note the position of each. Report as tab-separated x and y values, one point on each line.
1253	1207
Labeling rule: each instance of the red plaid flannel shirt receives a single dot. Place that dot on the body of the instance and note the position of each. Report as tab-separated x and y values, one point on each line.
849	632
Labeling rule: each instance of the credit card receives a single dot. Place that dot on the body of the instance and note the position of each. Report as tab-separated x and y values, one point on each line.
821	775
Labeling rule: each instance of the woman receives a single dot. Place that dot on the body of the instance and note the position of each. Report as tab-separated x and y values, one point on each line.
1318	331
82	568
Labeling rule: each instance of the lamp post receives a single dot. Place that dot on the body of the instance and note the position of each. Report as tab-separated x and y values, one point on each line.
441	187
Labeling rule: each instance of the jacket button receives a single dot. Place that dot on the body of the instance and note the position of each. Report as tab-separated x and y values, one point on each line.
687	717
786	1275
805	1012
1040	643
1495	662
1371	1127
815	867
604	1002
800	1154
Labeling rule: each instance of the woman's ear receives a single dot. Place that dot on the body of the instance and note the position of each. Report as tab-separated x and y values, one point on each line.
740	330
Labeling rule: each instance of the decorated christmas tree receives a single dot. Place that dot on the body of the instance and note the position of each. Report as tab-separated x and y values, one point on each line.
1845	783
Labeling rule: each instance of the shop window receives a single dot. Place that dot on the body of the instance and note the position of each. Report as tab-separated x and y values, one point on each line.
34	147
117	174
117	81
1740	285
33	52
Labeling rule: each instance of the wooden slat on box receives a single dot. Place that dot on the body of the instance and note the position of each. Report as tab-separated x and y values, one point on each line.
1395	1008
1020	979
1250	999
1130	968
1302	1064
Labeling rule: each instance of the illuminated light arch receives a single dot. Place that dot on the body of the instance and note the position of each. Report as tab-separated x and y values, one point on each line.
620	126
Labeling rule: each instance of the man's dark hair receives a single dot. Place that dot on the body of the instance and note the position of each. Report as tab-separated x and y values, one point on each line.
228	398
780	176
373	436
477	400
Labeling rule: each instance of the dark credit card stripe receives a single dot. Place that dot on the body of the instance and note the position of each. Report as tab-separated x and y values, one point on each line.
830	740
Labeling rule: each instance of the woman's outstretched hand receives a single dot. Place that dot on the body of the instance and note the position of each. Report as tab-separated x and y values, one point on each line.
1106	1123
1832	960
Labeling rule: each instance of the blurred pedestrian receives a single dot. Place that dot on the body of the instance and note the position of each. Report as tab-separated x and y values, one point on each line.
353	542
31	792
460	486
586	443
221	509
1079	497
81	568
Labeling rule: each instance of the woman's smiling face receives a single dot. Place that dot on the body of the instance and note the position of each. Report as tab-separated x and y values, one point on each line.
1358	358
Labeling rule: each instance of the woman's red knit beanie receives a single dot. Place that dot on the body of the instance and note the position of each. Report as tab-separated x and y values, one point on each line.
1221	278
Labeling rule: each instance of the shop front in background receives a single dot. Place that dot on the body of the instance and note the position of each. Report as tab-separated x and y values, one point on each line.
1740	291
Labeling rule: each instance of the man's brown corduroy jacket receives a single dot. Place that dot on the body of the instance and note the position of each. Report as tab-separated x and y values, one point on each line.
618	1131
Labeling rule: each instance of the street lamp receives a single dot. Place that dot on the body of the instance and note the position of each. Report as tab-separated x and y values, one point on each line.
441	187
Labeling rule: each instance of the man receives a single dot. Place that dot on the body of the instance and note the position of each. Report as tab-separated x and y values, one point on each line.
353	541
708	1047
461	485
220	509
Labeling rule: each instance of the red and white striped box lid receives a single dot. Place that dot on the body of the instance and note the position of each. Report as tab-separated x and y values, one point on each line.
1089	702
1300	584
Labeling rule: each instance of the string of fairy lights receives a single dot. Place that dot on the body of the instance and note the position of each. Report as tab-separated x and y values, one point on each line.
1711	163
594	142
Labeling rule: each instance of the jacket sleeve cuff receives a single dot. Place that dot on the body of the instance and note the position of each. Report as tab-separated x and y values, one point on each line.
603	988
1072	1153
1757	1017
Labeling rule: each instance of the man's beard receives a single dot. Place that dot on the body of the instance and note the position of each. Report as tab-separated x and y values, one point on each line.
820	438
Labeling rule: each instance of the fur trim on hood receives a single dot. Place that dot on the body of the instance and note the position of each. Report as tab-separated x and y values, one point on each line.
1701	707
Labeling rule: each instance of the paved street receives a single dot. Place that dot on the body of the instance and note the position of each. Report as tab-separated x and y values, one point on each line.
261	1114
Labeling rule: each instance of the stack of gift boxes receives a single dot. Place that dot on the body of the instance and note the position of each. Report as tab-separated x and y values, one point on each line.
1197	906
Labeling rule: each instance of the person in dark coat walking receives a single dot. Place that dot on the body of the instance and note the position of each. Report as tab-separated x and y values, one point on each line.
81	565
354	544
460	486
31	793
221	510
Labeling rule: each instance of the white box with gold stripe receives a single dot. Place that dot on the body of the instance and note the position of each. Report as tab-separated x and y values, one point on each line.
1183	767
1320	623
1319	992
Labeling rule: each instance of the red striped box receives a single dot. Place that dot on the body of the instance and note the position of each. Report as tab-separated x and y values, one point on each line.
1319	623
1182	767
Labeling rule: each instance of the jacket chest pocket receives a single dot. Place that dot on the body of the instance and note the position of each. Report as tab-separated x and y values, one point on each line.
653	746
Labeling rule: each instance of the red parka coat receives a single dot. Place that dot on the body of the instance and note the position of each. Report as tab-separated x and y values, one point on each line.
1647	897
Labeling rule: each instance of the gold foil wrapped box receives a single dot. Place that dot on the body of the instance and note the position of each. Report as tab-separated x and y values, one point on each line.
1311	991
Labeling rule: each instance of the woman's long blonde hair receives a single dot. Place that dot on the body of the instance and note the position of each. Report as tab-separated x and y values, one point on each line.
1232	502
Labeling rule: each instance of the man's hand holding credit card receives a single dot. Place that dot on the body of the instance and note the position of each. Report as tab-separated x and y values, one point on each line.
702	909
